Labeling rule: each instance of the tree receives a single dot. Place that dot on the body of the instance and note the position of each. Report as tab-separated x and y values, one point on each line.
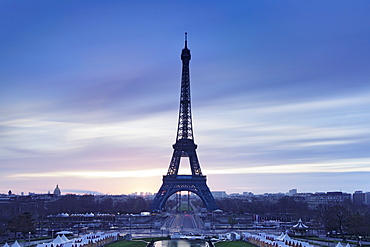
231	220
359	221
106	205
133	205
22	223
336	218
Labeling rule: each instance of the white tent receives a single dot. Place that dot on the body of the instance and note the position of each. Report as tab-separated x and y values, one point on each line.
300	225
283	237
6	245
300	228
16	244
339	245
58	240
65	239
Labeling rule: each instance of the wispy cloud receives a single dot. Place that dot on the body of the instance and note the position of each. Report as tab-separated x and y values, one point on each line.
92	174
333	166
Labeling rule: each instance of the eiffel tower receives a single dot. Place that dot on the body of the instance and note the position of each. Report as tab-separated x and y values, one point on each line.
184	147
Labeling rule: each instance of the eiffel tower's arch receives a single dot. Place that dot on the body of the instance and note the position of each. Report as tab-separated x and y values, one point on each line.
195	185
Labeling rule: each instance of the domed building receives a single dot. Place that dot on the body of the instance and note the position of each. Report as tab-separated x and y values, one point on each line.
57	191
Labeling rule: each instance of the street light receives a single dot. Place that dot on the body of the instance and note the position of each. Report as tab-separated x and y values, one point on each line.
129	219
327	235
29	238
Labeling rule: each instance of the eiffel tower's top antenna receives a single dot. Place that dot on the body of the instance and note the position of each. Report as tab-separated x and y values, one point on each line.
186	40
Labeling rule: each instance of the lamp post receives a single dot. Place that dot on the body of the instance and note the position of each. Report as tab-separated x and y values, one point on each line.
129	219
29	238
327	235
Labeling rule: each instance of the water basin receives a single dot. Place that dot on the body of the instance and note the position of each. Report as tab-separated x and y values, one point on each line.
181	243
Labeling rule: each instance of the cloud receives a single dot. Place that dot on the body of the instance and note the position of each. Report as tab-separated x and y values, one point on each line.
92	174
281	89
329	166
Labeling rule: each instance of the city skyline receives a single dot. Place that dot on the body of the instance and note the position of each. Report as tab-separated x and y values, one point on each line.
217	194
90	94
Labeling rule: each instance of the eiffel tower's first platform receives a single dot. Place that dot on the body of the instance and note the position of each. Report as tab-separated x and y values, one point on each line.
184	147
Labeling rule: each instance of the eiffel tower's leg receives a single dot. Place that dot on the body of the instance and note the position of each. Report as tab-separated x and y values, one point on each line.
161	197
194	163
175	163
207	197
199	187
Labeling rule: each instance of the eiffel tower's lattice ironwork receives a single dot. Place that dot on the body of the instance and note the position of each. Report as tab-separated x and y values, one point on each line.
184	147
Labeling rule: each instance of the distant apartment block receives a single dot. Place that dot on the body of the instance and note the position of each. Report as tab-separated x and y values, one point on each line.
292	192
314	201
361	198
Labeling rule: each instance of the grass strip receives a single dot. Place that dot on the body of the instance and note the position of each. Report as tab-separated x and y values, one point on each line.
234	244
133	243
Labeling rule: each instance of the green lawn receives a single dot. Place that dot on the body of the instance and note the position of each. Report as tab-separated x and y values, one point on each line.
150	239
234	244
134	243
185	207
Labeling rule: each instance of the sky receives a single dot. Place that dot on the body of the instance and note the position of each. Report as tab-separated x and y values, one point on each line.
89	94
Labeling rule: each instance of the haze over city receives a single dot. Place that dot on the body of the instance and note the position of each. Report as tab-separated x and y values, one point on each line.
90	94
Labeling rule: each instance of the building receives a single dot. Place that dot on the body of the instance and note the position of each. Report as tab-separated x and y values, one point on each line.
57	191
367	198
329	198
361	198
292	192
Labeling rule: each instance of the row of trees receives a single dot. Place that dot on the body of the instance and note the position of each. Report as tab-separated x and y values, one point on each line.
345	218
22	213
284	206
73	204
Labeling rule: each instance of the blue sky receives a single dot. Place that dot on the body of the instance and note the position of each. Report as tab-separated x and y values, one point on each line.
90	94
